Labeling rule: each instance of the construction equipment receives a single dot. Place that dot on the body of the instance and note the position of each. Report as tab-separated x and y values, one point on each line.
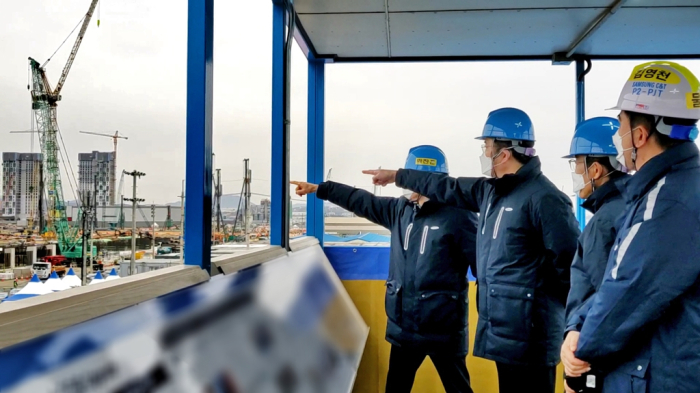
113	170
44	103
120	222
168	220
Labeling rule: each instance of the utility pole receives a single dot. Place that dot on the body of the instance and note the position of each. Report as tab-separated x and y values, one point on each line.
218	200
86	207
247	178
93	221
182	223
135	174
153	218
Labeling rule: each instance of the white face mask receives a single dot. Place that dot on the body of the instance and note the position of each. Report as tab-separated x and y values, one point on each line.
579	183
487	163
617	141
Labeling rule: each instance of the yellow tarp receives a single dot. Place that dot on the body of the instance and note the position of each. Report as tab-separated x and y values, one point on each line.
371	378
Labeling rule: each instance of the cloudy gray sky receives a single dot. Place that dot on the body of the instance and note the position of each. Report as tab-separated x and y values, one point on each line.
130	75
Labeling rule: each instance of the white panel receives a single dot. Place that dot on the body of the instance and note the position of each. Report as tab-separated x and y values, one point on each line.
337	6
647	31
347	35
487	33
459	5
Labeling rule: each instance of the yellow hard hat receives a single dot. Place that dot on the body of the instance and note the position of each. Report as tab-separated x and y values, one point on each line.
661	88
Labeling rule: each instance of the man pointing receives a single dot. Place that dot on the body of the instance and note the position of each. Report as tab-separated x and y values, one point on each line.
526	240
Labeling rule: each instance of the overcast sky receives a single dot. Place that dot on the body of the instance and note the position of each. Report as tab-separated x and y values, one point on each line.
130	75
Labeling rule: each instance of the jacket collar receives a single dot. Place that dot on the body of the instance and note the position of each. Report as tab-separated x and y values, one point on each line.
507	183
606	192
428	207
681	156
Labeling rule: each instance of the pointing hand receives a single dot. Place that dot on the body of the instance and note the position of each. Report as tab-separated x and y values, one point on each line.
304	188
381	177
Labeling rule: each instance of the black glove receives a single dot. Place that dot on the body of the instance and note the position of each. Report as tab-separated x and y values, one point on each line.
589	382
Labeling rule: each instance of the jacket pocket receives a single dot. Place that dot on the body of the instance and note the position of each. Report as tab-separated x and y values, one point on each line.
630	377
510	310
392	300
441	312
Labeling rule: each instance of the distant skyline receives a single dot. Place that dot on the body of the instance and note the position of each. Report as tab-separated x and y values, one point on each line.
130	75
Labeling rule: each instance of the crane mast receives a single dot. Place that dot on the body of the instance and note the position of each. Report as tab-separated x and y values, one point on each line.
44	107
44	104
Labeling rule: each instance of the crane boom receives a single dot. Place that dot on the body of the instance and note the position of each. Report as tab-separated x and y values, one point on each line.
107	135
44	104
76	46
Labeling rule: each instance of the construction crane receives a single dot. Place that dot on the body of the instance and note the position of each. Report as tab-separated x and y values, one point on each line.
115	138
120	191
44	103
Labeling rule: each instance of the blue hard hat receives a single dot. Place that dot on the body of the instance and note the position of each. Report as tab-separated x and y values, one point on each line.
594	137
510	124
426	158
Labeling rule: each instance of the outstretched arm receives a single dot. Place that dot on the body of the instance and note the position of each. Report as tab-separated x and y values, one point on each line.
463	192
380	210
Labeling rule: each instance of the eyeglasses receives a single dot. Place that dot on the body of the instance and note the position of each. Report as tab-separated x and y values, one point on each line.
484	147
573	164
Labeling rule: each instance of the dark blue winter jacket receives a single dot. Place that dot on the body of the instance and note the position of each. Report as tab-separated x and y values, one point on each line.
594	245
646	313
431	249
526	241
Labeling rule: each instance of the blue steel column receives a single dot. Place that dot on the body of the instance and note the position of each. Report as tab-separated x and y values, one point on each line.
200	52
315	146
279	206
580	116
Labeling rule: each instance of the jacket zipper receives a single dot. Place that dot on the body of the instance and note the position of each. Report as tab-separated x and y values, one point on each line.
408	233
422	240
498	222
483	227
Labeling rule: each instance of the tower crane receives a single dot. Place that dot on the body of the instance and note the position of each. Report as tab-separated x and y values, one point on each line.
44	103
113	171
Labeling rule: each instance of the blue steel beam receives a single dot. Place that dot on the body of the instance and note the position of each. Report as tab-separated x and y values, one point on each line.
315	147
580	116
304	42
280	198
198	154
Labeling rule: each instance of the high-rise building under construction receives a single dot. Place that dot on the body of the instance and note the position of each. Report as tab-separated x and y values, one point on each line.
21	186
97	164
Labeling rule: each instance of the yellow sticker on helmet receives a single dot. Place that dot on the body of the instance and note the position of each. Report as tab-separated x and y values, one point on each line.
426	161
657	74
692	100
